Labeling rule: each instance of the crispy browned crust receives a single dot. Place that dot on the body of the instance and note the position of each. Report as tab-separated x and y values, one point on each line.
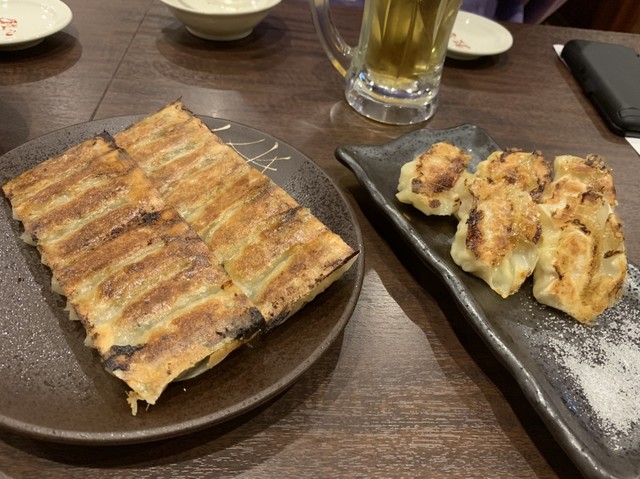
499	230
276	251
529	171
431	182
442	174
151	296
582	265
574	176
500	218
497	235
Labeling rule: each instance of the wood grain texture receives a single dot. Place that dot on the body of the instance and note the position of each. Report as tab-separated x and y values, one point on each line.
409	390
60	81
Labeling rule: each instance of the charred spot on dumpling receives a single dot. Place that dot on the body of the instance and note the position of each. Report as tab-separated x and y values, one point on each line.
538	234
590	196
581	226
246	331
150	217
119	357
474	234
595	161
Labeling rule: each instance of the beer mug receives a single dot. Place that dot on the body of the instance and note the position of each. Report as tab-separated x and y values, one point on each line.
393	74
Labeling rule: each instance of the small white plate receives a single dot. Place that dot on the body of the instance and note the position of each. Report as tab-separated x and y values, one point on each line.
25	23
475	36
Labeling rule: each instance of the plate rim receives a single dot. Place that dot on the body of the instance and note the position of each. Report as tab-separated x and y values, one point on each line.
56	435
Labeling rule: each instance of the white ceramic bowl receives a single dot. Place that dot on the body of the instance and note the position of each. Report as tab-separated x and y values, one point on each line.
220	19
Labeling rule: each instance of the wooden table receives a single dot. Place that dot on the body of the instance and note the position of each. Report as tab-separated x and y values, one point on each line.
410	390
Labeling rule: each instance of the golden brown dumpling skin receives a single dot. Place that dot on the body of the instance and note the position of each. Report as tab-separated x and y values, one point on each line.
499	226
497	234
432	181
582	265
529	171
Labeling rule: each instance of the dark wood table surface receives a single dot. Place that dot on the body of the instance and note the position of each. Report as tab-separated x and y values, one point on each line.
410	390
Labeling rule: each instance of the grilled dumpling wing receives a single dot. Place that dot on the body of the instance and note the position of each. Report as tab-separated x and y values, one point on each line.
275	250
499	228
151	296
432	181
582	265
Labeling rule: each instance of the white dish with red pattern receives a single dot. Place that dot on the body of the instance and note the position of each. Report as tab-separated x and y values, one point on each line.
25	23
474	36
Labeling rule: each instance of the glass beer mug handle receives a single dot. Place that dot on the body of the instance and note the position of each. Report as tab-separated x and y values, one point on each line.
338	51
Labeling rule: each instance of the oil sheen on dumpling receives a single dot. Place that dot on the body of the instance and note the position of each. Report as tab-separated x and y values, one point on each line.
431	182
582	265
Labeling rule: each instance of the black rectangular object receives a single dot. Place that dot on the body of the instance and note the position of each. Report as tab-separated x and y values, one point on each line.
609	74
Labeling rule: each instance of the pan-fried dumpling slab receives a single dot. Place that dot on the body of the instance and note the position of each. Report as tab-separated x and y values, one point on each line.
582	265
432	181
152	298
499	225
275	250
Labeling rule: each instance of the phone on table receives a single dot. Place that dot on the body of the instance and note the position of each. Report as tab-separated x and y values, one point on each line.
609	75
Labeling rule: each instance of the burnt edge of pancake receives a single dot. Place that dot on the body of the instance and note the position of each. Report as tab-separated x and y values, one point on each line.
93	200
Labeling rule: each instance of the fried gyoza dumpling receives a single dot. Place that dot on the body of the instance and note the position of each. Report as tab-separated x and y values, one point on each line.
582	265
497	235
431	182
499	226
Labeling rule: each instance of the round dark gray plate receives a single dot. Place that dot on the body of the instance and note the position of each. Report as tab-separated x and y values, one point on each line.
566	370
54	388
